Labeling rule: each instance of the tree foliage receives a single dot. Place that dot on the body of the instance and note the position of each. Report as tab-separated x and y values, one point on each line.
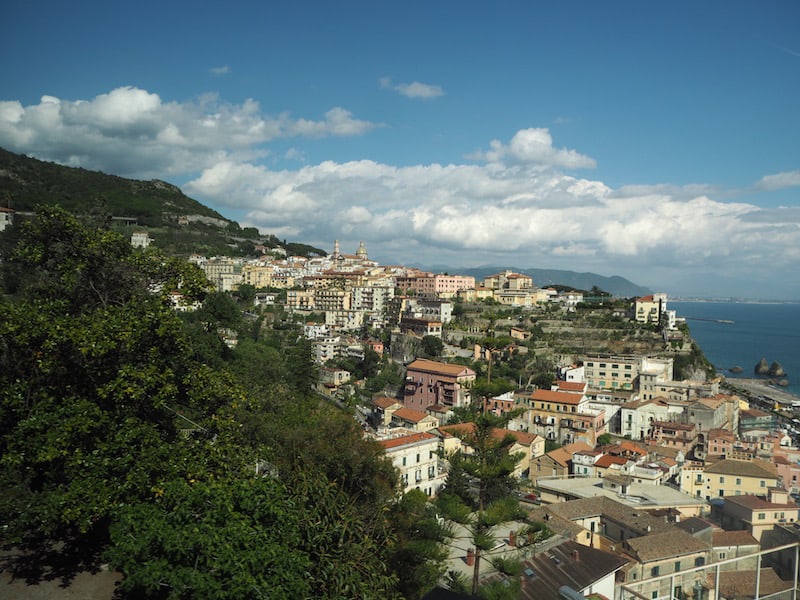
196	470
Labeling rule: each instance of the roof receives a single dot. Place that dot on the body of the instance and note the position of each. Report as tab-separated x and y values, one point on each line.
571	386
411	415
438	368
733	538
758	502
406	440
385	402
742	584
667	544
462	429
744	468
694	525
564	454
606	461
560	397
569	564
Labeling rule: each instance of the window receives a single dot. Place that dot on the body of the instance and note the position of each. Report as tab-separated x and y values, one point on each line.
761	516
722	556
417	456
738	481
677	566
722	480
654	571
404	461
763	483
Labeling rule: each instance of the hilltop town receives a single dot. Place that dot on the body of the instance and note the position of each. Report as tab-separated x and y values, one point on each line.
654	485
634	469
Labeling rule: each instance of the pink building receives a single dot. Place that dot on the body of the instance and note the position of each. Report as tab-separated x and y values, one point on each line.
430	382
436	286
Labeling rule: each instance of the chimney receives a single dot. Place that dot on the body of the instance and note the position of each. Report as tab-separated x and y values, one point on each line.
470	557
576	555
512	538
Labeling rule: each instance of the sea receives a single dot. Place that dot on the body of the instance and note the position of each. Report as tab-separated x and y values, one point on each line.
742	333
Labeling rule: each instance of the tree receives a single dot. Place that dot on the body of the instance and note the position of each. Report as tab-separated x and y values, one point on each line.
432	346
489	467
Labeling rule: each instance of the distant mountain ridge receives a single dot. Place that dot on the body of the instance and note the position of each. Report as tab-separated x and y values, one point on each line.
614	285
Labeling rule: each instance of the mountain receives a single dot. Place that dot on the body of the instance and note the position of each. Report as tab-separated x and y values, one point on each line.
614	285
155	205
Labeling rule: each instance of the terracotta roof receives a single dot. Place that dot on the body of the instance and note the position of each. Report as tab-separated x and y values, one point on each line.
431	366
564	454
461	429
409	414
385	402
606	461
405	440
571	386
560	397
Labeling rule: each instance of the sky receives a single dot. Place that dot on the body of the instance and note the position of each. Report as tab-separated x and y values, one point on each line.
657	141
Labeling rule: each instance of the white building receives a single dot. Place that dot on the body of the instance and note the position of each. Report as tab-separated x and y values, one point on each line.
415	456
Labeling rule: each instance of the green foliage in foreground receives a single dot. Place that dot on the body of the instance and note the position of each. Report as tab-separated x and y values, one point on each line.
135	434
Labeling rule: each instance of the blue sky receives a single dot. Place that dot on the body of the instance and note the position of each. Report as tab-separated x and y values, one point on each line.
656	141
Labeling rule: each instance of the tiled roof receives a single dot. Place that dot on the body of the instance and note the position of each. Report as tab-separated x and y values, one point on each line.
568	564
564	454
606	461
405	440
431	366
757	502
385	402
659	546
742	584
744	468
409	414
461	429
571	386
733	538
560	397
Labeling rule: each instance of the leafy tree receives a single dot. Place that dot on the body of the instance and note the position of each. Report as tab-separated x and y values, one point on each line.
432	346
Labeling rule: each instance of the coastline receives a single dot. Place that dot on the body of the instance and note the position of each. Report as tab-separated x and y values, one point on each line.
759	387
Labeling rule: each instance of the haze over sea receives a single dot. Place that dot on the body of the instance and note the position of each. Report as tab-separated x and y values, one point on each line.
771	331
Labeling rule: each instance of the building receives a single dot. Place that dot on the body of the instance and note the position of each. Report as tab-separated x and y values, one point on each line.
415	456
7	217
758	514
649	309
431	382
733	477
139	239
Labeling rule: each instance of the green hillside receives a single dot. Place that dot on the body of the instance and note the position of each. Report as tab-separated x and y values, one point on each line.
154	206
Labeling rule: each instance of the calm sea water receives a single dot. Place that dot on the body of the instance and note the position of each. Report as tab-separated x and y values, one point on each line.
771	331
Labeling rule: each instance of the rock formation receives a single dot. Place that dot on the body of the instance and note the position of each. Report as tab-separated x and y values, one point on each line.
776	370
736	369
762	368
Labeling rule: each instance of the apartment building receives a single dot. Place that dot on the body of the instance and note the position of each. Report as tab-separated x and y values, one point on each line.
431	382
415	456
729	477
430	285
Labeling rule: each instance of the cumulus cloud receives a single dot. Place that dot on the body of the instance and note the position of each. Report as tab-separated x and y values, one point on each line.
779	181
516	214
132	132
534	146
415	89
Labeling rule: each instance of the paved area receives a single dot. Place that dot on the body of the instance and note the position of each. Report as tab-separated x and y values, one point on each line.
46	582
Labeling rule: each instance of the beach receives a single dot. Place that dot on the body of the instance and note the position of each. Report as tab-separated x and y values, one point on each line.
761	387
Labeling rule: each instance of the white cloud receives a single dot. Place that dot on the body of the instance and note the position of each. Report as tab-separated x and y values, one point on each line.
534	146
779	181
517	215
415	89
132	132
223	70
